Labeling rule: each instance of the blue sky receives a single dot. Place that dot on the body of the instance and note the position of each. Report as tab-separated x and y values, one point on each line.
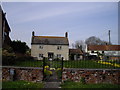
80	19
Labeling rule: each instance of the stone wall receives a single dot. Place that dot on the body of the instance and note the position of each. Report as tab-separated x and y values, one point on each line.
22	73
92	75
73	74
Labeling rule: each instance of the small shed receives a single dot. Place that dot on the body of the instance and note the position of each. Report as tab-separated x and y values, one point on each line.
75	54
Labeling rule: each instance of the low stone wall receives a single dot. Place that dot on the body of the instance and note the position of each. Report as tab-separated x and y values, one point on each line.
22	73
73	74
92	75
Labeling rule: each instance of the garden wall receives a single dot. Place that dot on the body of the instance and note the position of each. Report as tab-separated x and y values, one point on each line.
92	75
22	73
73	74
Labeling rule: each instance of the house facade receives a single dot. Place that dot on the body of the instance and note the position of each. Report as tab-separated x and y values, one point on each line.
50	46
111	51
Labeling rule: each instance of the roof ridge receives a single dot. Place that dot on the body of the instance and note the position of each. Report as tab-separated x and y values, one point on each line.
50	36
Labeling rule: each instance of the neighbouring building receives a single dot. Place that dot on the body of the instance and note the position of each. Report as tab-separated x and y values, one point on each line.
75	54
110	51
50	46
5	39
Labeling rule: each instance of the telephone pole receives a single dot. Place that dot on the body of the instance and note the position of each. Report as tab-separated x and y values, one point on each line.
109	36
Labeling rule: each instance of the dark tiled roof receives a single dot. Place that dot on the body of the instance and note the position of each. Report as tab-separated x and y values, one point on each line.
104	47
50	40
75	51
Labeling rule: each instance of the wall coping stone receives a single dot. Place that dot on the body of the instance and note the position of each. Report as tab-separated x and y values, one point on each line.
21	67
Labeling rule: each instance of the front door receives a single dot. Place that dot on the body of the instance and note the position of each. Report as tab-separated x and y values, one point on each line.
50	55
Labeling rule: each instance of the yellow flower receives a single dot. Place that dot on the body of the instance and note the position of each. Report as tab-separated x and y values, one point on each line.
116	65
50	72
52	68
58	69
102	62
46	67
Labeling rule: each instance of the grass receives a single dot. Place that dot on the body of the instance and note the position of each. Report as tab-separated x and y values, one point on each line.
85	64
66	64
21	84
27	63
80	85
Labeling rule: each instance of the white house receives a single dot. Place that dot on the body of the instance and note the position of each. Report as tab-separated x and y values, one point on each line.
50	46
112	51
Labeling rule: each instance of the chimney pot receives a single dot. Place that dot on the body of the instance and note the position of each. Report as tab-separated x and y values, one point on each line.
33	33
66	34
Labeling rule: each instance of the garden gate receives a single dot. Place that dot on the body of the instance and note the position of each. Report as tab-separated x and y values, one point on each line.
52	69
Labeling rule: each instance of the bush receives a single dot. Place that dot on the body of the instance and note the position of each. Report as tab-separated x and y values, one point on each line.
82	80
8	58
24	58
12	59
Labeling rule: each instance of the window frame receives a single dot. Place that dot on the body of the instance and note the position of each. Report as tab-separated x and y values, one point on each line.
41	55
40	46
59	47
59	55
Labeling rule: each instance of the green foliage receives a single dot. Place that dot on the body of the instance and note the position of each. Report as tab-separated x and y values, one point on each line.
24	58
29	63
8	58
19	47
21	84
13	60
70	84
84	64
82	80
59	73
47	72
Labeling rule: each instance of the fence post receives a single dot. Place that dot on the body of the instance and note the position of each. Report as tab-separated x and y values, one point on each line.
43	67
62	63
61	69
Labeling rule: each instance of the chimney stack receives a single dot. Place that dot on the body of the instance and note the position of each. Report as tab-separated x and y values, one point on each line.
33	33
66	34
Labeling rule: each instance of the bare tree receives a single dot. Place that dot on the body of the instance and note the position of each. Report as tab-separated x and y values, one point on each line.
79	44
95	41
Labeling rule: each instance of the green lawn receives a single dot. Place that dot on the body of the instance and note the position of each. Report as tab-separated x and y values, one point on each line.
80	85
21	84
85	64
27	63
66	64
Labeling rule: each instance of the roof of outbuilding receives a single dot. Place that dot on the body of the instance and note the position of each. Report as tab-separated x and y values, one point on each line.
50	40
75	51
104	47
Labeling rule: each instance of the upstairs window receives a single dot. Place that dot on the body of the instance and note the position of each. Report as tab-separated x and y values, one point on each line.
41	47
59	47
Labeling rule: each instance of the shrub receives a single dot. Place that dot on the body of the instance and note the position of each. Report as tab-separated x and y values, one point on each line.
12	59
47	72
82	80
24	58
8	58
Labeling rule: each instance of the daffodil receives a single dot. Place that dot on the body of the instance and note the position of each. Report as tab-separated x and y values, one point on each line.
108	63
46	67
